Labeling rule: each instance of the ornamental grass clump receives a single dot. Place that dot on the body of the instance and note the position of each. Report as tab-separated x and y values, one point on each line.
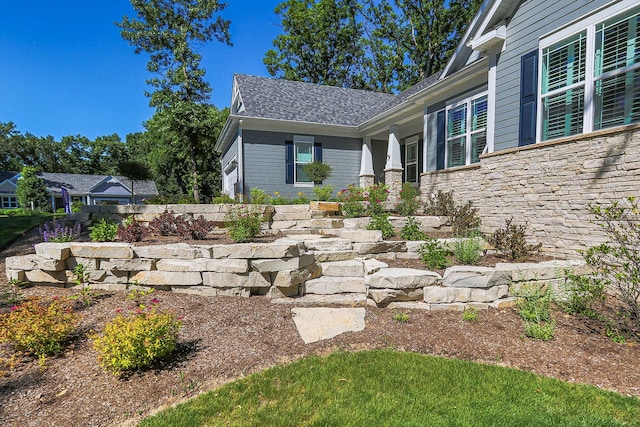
136	340
39	326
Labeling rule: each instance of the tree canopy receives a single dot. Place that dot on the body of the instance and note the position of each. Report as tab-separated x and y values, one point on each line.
170	31
382	45
32	191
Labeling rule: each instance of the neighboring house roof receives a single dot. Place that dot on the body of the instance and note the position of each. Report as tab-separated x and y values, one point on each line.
84	184
306	102
7	175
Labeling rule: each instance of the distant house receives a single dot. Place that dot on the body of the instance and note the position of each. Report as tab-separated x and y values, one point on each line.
89	189
524	73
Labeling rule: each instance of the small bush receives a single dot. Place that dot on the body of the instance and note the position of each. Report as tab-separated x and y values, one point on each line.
59	231
317	172
243	223
467	250
465	221
511	241
103	231
441	204
411	230
352	199
38	326
583	294
375	197
470	314
302	199
169	224
279	199
433	254
381	222
223	199
324	192
534	307
259	197
76	206
401	317
134	231
408	203
12	295
137	340
200	228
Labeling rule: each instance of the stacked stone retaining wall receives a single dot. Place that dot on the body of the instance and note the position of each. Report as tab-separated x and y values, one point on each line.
548	186
306	269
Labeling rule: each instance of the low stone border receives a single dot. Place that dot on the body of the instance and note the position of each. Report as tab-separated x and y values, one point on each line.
302	269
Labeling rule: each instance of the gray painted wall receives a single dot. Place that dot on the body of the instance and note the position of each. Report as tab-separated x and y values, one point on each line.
232	151
533	19
264	161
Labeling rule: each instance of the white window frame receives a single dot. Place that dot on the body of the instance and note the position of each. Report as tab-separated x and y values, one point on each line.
586	23
8	202
301	139
468	135
411	141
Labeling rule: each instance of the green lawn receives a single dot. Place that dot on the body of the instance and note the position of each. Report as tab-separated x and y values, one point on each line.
386	388
12	227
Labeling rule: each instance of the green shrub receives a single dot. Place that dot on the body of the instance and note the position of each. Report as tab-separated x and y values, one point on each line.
616	263
534	307
408	203
223	199
470	314
259	197
401	317
137	340
324	192
381	222
433	254
352	200
467	250
243	223
375	197
76	206
32	190
512	241
411	230
583	294
38	326
278	199
317	172
103	231
465	221
302	199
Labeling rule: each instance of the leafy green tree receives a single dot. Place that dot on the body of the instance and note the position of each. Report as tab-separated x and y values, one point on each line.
135	171
170	31
31	188
321	43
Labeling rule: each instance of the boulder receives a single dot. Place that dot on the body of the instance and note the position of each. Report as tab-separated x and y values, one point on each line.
349	268
335	285
401	278
59	251
169	278
468	276
101	250
252	279
383	297
288	278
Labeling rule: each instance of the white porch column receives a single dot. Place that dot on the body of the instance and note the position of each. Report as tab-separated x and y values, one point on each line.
367	175
393	169
491	102
393	149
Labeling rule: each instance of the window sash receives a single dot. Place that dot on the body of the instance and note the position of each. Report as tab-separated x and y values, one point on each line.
303	155
466	131
411	160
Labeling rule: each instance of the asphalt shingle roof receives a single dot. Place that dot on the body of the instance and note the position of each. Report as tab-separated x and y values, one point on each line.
307	102
82	184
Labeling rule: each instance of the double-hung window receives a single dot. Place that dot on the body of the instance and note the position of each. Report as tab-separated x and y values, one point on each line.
591	78
304	155
466	131
411	159
9	202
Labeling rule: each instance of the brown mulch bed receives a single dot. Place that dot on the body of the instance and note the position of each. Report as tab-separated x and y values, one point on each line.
225	338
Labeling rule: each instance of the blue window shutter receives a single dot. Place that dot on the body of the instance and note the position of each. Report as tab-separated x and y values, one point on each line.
288	159
528	98
317	152
440	139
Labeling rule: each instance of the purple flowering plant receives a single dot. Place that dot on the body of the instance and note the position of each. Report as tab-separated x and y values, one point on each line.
60	231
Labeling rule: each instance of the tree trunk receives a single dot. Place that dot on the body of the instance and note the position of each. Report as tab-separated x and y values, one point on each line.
194	170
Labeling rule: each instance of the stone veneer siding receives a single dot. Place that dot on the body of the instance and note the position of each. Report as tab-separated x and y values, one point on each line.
549	186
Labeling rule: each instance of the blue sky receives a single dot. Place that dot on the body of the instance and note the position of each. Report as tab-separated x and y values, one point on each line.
65	70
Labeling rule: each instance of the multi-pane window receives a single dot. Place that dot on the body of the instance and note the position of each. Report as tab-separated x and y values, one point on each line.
466	131
9	202
411	160
591	80
303	155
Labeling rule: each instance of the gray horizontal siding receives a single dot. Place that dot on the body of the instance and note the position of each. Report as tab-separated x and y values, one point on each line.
231	152
532	20
264	161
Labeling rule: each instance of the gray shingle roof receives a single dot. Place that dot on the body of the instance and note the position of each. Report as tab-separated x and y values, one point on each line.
82	184
407	93
7	175
306	102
